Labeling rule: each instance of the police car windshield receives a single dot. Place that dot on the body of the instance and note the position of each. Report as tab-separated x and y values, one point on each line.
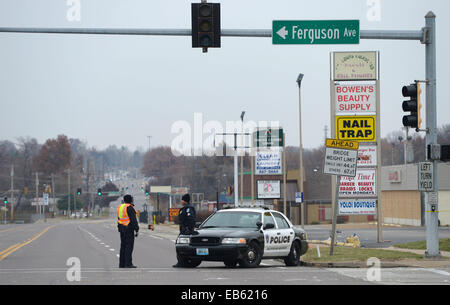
233	220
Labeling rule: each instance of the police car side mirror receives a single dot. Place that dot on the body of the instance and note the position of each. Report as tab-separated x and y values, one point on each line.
259	225
269	226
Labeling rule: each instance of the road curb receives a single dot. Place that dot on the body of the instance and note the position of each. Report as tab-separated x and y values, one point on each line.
354	265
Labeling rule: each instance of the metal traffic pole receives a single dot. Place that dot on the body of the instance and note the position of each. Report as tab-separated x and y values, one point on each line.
335	213
236	184
431	209
300	168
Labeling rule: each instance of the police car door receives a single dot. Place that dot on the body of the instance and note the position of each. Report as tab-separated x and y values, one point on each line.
285	234
271	237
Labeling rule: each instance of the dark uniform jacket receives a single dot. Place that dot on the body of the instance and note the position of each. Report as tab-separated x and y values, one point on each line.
186	218
133	225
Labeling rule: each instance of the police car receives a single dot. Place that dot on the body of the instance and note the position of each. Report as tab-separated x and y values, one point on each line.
244	236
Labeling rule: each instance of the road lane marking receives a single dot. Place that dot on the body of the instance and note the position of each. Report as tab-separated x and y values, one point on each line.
2	231
6	250
6	254
441	272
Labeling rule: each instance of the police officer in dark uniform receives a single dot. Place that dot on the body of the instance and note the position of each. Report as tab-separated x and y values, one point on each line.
127	225
186	218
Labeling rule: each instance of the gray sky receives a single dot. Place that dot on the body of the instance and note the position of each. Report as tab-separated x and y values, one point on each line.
119	89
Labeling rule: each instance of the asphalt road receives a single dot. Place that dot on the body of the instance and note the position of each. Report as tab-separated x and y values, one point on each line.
50	254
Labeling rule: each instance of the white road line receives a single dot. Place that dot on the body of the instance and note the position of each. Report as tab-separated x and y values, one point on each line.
441	272
111	250
156	237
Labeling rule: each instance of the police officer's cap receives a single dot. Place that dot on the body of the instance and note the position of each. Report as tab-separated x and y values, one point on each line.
186	198
128	199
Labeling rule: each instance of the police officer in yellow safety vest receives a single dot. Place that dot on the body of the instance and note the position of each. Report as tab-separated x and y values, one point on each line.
127	225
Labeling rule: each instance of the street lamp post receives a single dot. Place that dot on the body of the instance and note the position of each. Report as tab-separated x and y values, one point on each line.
300	171
242	158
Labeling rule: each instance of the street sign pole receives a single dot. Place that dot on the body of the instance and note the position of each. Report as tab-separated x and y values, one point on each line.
431	210
335	213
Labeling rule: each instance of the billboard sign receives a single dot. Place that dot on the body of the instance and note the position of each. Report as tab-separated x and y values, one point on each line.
268	162
269	189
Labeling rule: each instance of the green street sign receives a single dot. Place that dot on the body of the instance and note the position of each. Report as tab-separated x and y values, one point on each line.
268	137
315	32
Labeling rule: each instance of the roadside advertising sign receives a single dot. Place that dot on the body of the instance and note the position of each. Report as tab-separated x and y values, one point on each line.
357	207
269	162
356	128
179	190
364	184
269	189
367	155
173	212
355	66
355	97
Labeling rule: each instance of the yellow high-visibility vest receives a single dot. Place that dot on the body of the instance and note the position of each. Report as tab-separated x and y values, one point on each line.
122	214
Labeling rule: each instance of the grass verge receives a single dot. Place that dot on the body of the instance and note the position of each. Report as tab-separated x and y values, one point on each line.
344	254
444	245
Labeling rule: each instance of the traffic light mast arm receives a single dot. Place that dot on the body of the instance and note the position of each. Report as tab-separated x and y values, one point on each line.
263	33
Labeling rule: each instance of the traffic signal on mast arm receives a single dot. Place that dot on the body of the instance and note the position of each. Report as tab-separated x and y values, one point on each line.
99	192
147	192
413	105
5	200
205	25
79	191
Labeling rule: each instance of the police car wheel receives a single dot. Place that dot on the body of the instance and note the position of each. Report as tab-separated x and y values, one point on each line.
189	263
230	263
293	258
252	257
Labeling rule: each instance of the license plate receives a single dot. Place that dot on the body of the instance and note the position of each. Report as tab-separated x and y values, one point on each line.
201	251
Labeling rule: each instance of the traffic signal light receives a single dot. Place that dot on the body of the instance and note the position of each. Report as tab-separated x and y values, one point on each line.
99	192
413	105
229	190
205	25
79	191
147	192
5	201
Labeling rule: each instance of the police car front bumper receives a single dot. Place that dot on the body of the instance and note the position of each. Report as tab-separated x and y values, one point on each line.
214	253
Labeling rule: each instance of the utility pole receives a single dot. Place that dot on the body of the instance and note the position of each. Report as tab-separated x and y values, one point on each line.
53	193
12	193
37	194
284	178
236	184
242	157
68	191
300	169
252	161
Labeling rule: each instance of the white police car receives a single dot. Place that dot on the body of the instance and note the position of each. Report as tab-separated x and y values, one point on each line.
244	236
